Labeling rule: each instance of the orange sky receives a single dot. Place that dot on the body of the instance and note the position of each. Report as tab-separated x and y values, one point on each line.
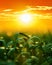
41	9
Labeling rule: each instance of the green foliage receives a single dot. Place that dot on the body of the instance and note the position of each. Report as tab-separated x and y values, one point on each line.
22	49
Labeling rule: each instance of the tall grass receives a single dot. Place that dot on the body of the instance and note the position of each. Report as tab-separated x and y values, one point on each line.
22	49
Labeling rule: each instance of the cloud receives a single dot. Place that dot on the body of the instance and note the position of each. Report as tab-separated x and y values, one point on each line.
10	13
42	16
7	10
37	8
28	8
45	17
44	7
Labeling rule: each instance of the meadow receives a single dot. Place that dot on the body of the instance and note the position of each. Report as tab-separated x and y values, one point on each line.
25	49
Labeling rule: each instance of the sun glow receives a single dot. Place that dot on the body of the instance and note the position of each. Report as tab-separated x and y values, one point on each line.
25	18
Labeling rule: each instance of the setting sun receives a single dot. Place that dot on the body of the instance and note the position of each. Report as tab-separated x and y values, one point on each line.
25	18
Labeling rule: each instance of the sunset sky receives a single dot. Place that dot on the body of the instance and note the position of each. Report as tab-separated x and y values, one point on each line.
40	10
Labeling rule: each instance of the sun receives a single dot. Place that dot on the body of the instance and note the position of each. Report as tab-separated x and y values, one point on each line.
25	18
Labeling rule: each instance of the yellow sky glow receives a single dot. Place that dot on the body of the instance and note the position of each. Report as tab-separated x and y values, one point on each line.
28	20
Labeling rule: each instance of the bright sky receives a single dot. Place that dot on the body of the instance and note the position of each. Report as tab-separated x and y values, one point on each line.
40	15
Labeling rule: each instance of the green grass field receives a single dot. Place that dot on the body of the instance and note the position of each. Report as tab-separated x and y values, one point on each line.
25	49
